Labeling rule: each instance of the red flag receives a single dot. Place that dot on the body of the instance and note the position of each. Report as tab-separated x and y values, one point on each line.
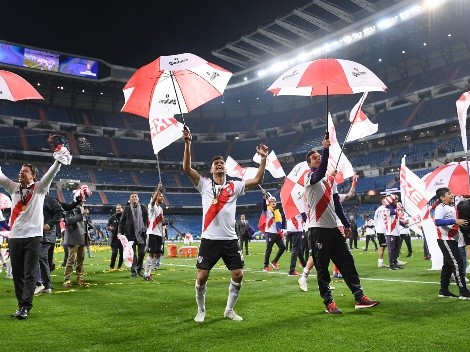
292	191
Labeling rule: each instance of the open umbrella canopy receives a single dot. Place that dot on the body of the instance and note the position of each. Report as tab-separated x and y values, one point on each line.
453	175
14	87
175	84
327	77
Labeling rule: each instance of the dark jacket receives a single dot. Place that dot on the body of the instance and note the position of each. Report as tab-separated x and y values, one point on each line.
114	221
126	225
53	212
76	229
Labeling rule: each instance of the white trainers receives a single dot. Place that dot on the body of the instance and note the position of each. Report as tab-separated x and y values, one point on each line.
399	262
200	316
38	289
303	283
230	314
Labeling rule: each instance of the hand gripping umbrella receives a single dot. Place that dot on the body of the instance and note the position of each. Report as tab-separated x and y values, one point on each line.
174	84
14	87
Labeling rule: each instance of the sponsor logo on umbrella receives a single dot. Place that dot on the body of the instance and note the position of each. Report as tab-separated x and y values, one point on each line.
177	61
357	73
212	75
167	100
294	73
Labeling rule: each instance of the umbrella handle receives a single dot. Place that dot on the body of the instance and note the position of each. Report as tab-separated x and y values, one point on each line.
327	135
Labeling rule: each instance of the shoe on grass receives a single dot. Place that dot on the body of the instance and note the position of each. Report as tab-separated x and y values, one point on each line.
365	302
200	316
230	314
465	296
303	284
38	289
332	308
275	265
446	294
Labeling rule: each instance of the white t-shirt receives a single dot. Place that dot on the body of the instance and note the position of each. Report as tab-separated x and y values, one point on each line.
28	222
218	220
449	232
380	219
320	201
370	227
155	226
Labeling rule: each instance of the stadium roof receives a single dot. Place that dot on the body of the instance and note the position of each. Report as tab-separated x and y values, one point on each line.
223	33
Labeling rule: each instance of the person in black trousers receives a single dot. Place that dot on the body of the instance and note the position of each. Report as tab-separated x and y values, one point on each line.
115	243
295	230
354	233
133	225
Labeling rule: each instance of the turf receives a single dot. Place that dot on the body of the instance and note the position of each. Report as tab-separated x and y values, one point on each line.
117	313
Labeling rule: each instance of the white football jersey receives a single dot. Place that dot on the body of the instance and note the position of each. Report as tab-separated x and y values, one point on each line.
218	220
320	201
155	225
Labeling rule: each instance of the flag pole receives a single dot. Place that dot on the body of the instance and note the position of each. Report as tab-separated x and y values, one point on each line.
158	167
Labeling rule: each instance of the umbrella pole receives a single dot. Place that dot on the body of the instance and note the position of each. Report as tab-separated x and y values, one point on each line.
327	134
350	127
158	167
177	100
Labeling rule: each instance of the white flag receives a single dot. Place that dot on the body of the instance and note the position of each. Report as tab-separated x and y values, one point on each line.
462	106
343	167
164	131
415	202
361	126
272	164
414	196
235	170
128	252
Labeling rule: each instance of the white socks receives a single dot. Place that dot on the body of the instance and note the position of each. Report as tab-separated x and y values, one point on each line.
233	292
305	273
201	297
150	262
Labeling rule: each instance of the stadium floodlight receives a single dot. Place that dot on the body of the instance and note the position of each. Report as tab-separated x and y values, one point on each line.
432	4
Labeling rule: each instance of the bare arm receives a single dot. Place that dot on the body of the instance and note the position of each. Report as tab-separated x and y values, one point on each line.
262	150
352	191
193	175
155	195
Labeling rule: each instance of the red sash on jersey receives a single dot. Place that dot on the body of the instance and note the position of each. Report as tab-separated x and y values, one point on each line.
18	206
325	199
295	222
214	209
157	220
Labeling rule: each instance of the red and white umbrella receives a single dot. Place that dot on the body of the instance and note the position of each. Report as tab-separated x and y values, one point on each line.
174	84
293	189
5	201
327	77
14	87
453	175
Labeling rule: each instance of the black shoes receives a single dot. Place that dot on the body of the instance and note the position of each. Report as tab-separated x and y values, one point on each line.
21	313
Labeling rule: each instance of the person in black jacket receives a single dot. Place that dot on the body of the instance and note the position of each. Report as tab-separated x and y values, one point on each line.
53	212
114	242
133	225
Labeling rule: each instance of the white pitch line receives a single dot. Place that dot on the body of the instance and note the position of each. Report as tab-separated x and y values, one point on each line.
276	272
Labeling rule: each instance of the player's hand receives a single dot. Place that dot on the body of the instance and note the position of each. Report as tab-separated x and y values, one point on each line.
187	137
262	150
62	155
